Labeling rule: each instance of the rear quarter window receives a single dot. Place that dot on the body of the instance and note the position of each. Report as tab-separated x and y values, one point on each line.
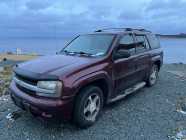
154	41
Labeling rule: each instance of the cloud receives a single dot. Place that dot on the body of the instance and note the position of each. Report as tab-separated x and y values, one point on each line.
39	4
167	16
50	18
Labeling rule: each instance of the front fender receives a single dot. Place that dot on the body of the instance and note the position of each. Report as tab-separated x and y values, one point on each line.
73	82
87	79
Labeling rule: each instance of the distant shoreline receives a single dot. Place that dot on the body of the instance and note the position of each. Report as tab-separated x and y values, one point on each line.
173	36
15	57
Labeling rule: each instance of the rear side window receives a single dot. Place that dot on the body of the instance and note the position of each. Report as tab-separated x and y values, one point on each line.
154	42
141	43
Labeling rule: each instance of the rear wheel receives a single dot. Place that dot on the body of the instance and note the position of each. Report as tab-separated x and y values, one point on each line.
88	105
153	77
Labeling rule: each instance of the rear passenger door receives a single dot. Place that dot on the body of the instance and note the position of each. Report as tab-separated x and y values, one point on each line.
143	57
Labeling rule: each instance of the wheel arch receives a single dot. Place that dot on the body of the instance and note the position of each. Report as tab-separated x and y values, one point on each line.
158	63
102	81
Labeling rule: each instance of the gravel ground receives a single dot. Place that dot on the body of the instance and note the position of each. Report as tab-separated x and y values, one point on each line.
149	114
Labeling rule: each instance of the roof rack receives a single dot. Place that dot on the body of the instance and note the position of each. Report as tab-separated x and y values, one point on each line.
122	29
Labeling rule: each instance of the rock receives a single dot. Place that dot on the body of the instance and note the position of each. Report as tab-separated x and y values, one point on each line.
13	116
10	117
4	59
181	135
2	82
4	98
181	106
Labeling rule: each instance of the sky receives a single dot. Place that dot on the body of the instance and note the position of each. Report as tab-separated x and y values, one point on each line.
63	18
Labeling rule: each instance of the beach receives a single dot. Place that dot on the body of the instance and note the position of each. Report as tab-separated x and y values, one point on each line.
174	48
15	57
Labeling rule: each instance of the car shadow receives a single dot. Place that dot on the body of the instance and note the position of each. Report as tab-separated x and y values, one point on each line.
58	123
124	100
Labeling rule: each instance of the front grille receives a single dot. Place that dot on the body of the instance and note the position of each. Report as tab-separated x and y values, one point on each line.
26	80
25	90
30	86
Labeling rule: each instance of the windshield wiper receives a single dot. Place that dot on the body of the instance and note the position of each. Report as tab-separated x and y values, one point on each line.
68	52
79	53
83	53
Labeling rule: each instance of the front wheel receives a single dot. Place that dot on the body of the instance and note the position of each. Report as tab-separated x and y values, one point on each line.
153	77
88	105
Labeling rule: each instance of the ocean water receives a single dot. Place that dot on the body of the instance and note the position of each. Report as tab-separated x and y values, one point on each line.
36	46
174	48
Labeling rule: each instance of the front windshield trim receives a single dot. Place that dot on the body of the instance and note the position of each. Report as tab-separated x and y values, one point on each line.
88	54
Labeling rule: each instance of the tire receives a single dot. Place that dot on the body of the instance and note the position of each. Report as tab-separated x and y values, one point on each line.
153	77
88	106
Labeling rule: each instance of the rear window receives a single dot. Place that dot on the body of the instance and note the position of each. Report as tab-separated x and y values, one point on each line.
154	42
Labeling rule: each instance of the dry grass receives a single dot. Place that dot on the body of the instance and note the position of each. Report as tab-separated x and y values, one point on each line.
17	57
5	74
5	77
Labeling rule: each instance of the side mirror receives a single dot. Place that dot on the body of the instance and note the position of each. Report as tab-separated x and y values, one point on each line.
121	53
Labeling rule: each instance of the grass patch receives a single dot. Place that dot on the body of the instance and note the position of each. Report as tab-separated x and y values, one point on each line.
5	78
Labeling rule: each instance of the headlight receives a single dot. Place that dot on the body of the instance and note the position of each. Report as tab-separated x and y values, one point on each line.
50	88
50	85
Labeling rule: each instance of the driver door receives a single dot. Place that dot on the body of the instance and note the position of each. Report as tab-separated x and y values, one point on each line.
124	69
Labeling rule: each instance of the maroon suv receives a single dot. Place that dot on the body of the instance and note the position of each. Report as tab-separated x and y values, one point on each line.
91	71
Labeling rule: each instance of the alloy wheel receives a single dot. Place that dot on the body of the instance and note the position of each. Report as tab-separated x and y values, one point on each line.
154	75
92	107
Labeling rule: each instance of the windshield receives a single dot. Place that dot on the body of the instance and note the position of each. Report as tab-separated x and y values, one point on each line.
92	45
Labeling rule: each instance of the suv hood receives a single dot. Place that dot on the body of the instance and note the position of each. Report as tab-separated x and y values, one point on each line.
50	64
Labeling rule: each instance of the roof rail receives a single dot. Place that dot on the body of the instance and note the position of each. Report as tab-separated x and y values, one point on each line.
122	29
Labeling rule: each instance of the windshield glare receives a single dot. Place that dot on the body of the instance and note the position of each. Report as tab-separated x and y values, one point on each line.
94	45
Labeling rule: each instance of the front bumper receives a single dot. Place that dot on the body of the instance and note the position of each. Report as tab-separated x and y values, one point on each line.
42	106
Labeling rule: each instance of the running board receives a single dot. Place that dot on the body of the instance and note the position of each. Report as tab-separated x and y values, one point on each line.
128	91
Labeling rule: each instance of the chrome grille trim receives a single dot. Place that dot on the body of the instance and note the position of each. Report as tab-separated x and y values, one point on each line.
32	87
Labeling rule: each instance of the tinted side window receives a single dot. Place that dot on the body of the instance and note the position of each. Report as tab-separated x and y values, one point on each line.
154	42
141	45
127	40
